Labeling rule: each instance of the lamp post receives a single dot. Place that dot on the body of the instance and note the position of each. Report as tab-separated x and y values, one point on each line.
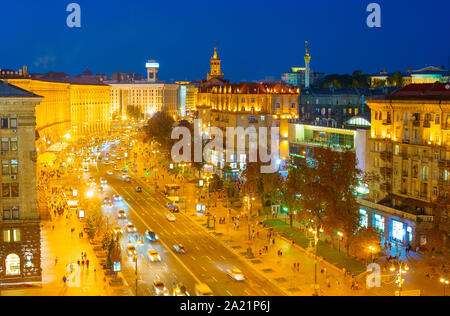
341	236
403	269
316	241
372	249
444	283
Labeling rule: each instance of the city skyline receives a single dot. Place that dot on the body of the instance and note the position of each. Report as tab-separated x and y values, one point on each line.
183	46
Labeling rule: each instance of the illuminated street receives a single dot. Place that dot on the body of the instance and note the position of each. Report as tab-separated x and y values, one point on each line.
233	155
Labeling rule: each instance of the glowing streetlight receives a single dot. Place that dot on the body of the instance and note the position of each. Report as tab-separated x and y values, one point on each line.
444	283
341	236
90	194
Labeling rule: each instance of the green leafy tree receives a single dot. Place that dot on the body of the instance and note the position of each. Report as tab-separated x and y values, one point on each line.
159	129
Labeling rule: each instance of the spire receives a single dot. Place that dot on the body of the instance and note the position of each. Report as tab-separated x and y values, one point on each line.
215	52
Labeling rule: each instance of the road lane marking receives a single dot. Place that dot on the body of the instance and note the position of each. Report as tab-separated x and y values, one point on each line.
165	245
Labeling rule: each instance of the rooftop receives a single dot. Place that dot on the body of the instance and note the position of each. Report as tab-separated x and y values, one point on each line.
426	91
8	90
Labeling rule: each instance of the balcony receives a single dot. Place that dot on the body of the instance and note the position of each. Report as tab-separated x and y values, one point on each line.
387	122
385	155
443	164
416	123
405	174
426	124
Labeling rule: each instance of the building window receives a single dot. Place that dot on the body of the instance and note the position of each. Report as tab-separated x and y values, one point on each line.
13	122
5	144
6	190
14	144
17	237
14	189
293	105
7	235
5	167
12	264
438	119
278	105
15	212
364	218
398	230
378	222
14	167
4	123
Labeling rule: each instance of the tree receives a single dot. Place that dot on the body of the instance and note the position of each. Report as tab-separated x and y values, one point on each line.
290	190
437	253
159	129
326	184
114	253
363	239
396	79
133	112
94	220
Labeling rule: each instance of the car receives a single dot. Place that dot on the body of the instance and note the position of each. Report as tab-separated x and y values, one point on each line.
128	179
107	200
180	290
131	250
91	179
110	173
173	208
131	228
117	198
100	190
103	181
236	274
179	248
201	289
170	217
121	214
151	236
154	256
138	189
160	288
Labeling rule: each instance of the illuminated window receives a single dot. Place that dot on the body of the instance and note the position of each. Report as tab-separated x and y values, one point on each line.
12	264
364	222
378	222
14	166
398	230
17	237
7	235
14	144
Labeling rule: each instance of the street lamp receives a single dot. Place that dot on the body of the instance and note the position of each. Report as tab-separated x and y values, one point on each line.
403	269
372	249
341	236
444	283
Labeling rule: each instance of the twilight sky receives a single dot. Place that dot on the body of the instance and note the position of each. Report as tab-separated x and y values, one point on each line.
255	38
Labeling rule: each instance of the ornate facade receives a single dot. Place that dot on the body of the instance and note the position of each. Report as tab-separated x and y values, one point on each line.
410	152
19	221
224	104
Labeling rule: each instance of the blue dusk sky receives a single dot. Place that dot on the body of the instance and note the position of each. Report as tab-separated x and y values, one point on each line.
255	38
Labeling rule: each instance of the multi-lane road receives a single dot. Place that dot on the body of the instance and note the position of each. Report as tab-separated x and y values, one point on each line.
206	260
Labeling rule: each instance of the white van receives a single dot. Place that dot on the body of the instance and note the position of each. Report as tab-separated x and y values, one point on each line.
202	289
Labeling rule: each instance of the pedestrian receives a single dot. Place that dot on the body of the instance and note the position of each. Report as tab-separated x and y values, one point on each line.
64	280
78	262
56	261
87	263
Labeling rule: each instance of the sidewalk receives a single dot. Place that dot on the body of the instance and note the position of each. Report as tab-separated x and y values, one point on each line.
60	243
